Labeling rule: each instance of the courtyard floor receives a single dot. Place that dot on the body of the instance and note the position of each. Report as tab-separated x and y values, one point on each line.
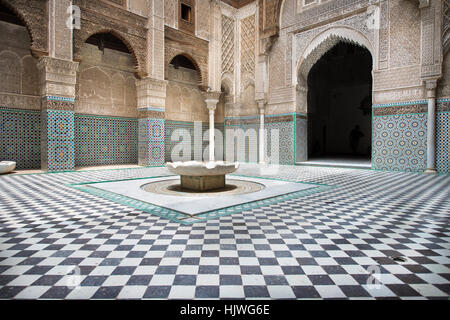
372	235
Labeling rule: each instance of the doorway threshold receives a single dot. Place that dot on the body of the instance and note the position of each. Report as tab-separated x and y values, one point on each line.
338	162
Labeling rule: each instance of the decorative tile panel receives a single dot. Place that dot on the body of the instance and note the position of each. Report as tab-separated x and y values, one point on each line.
105	140
442	142
61	125
171	126
399	142
301	138
284	123
20	137
151	141
58	140
286	143
250	153
61	155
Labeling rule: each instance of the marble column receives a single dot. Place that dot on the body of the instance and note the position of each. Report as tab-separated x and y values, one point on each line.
431	126
151	99
211	99
261	104
57	85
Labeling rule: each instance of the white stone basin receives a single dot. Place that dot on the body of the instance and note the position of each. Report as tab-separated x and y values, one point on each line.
197	168
7	166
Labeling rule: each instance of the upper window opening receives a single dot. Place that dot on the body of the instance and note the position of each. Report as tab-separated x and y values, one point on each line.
182	61
186	12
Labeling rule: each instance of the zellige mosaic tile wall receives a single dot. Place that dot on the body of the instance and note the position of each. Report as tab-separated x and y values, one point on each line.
442	142
20	137
171	126
399	136
105	140
284	123
399	142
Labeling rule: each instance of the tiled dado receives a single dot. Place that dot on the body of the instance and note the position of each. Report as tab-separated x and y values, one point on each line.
399	136
171	126
442	142
284	123
57	133
151	142
301	137
20	137
58	140
420	106
442	135
399	142
101	140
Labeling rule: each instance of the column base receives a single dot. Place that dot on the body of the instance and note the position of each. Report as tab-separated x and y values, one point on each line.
430	171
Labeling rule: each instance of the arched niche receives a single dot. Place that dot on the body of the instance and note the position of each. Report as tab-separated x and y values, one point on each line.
184	99
106	77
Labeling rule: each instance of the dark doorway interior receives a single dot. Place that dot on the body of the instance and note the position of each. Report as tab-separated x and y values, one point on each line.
340	104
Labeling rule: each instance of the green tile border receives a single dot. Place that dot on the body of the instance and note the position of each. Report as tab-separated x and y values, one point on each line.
185	219
79	171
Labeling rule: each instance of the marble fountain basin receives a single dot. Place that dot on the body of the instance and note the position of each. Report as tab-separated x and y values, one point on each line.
202	176
7	166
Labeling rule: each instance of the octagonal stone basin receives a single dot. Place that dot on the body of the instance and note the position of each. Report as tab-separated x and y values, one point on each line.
7	166
202	176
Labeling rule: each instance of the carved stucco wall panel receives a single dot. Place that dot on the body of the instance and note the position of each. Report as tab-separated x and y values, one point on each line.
404	32
19	87
248	45
293	55
353	29
106	84
228	39
203	17
443	89
431	35
268	17
446	26
276	64
170	13
184	101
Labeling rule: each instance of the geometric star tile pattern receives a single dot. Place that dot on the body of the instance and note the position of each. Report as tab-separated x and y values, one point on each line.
60	139
61	243
105	140
20	137
151	141
442	142
399	142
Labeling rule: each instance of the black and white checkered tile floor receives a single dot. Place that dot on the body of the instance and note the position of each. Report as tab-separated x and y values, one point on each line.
61	243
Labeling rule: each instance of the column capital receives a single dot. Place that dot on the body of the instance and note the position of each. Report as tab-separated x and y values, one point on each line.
156	84
211	99
261	104
58	77
151	94
430	86
212	95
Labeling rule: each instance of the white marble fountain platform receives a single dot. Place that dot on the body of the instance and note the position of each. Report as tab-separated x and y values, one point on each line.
195	205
